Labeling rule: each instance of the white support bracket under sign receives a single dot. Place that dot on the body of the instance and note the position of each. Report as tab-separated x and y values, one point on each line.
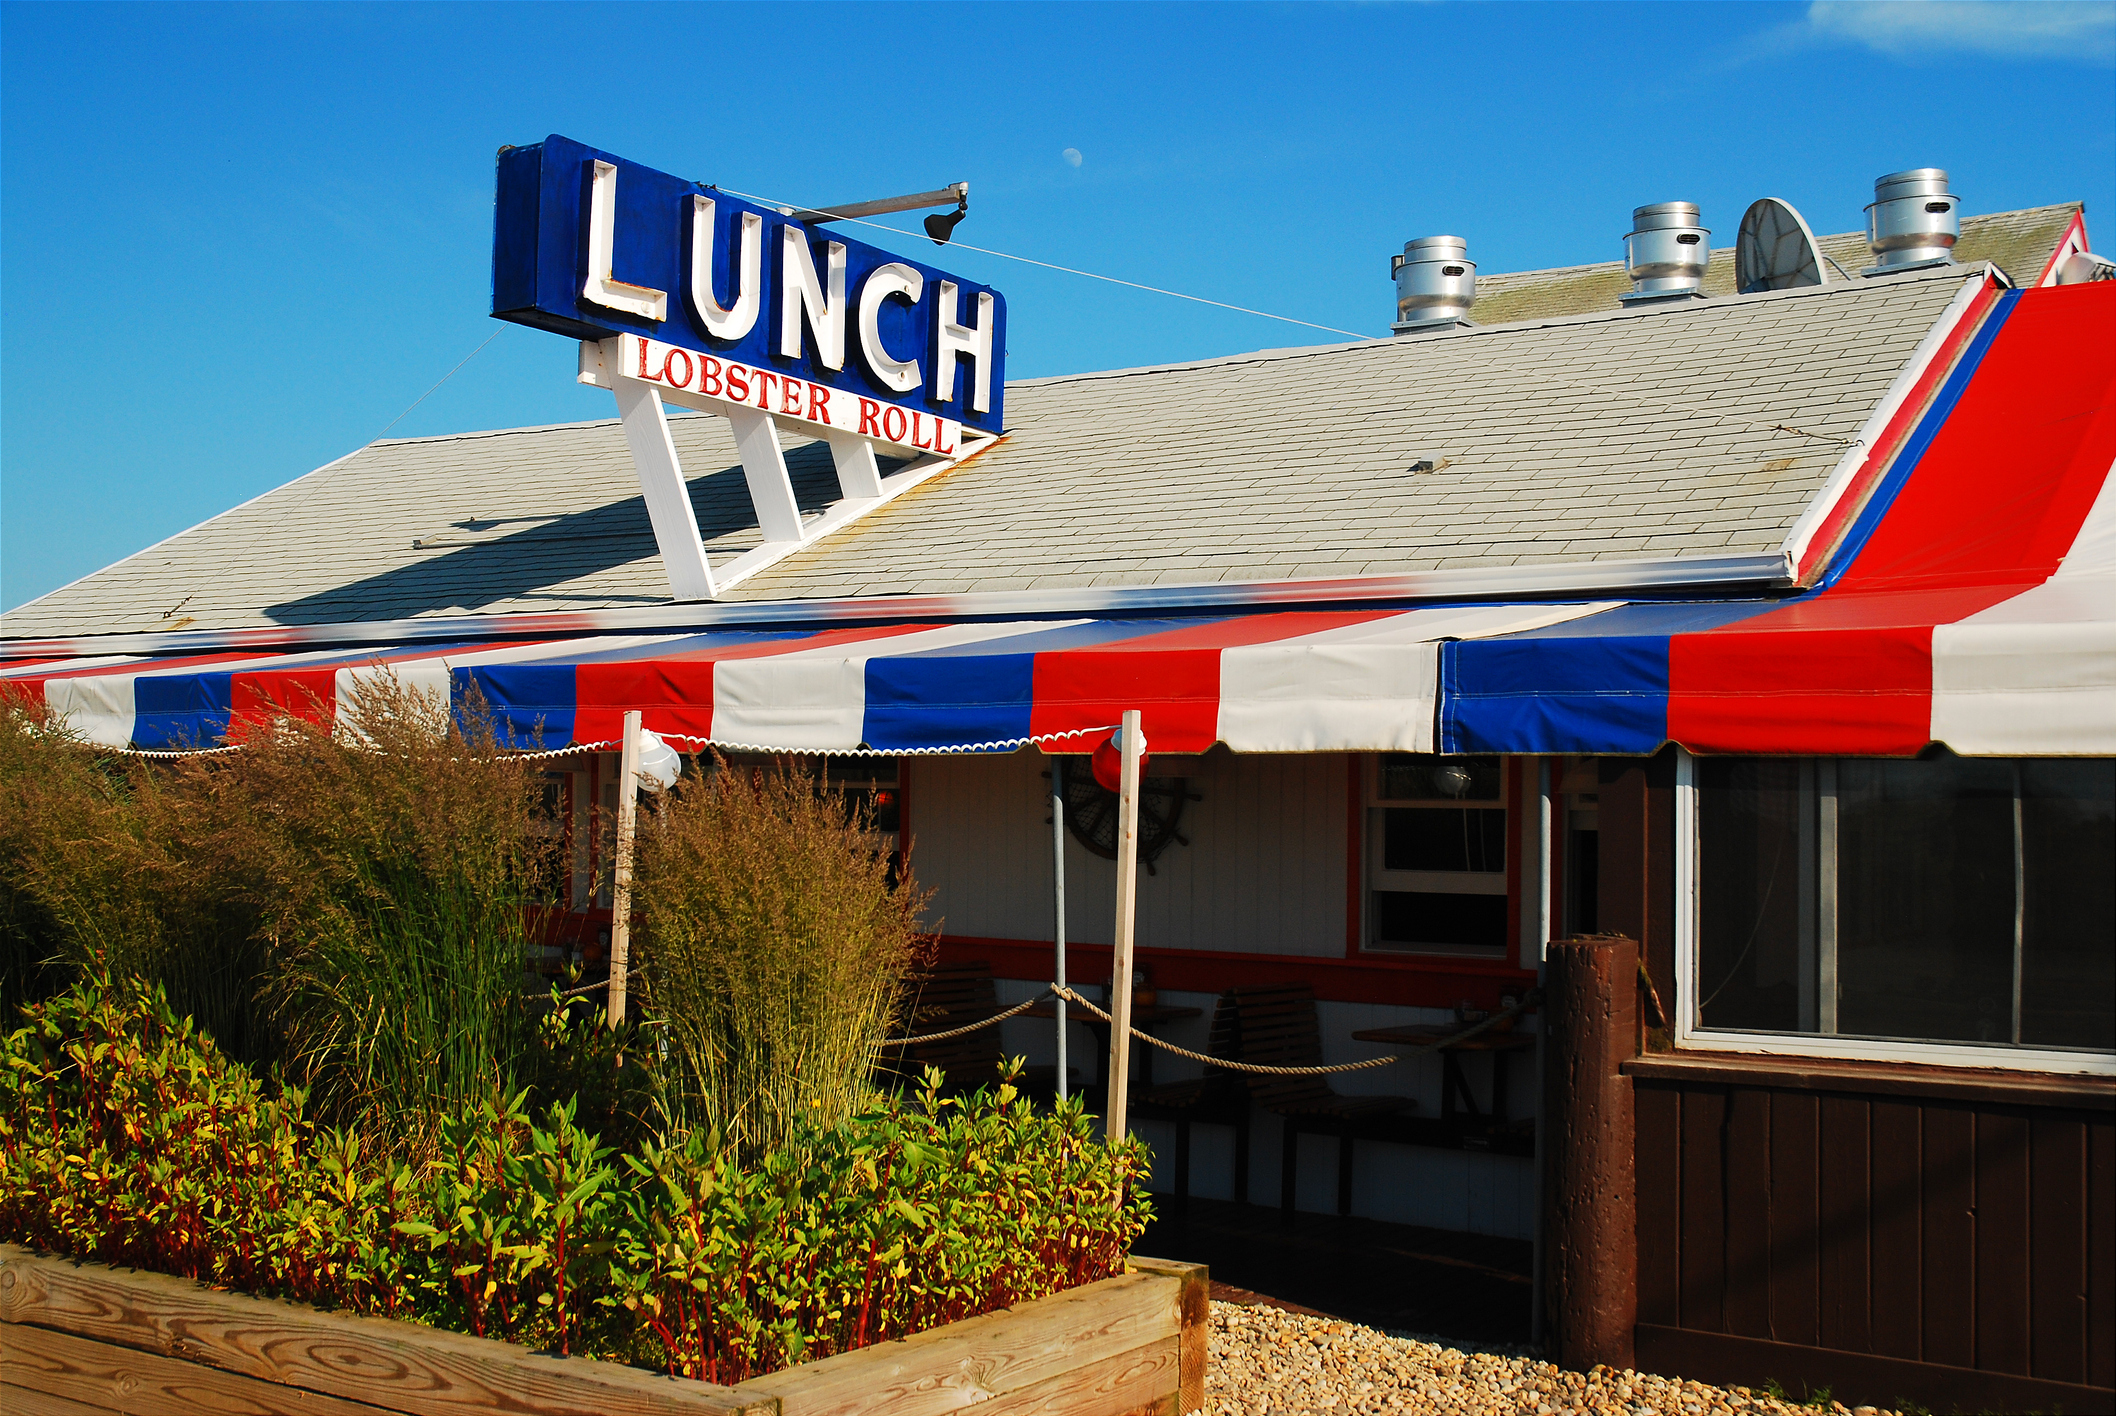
645	374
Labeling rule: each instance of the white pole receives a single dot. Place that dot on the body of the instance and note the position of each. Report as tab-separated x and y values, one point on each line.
621	891
1058	899
1133	747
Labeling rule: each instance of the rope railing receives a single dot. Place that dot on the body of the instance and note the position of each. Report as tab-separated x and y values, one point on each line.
1261	1069
1057	990
581	992
1014	1011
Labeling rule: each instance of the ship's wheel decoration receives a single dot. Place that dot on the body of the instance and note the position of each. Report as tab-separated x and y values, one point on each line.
1091	813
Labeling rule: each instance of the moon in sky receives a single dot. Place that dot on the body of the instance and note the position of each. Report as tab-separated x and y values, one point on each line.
1071	156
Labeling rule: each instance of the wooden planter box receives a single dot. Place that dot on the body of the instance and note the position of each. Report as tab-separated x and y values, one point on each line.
81	1338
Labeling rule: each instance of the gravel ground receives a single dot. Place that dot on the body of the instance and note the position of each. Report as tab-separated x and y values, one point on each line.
1267	1362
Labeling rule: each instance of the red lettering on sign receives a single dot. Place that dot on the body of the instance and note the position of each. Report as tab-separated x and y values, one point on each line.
869	409
643	360
709	375
668	368
940	434
917	438
894	431
790	396
764	383
738	382
818	404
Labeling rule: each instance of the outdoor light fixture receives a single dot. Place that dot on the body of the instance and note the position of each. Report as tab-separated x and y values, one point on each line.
1452	778
1108	762
939	226
659	764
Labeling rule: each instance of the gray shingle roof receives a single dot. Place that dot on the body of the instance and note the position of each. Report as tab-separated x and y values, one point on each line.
1695	431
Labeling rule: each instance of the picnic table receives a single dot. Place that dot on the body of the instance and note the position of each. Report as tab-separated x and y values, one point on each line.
1452	1081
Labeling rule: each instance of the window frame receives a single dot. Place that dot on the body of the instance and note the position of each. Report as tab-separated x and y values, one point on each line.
1690	1037
1372	875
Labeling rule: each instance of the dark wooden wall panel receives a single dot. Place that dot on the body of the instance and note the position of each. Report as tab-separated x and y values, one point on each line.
2101	1253
2057	1253
1659	1167
1748	1311
1703	1225
1845	1224
1795	1196
2002	1242
1898	1274
1948	1220
1952	1231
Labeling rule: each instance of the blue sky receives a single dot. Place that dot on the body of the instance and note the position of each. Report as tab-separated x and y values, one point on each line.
237	242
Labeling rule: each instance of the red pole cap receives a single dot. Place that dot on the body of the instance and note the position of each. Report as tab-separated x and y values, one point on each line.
1107	762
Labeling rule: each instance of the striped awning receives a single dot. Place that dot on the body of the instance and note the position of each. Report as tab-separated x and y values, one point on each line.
1290	682
1972	601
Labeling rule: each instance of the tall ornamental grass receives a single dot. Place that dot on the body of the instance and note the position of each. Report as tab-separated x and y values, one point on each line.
111	862
772	942
395	859
345	900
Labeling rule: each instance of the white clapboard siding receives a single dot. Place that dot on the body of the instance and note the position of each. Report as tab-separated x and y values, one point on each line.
1264	872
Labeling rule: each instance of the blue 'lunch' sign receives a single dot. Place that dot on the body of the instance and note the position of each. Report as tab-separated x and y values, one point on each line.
731	301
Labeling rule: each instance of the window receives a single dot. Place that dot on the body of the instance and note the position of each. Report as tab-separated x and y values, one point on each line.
1436	867
1948	902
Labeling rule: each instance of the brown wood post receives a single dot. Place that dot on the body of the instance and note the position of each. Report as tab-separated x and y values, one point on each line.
1590	1217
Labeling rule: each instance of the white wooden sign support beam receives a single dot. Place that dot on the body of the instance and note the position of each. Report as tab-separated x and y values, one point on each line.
668	498
1132	747
859	475
764	467
934	444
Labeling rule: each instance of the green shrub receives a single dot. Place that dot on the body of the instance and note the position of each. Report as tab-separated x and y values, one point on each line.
910	1215
127	1136
772	942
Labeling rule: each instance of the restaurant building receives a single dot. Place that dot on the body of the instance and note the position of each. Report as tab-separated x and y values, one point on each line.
1773	627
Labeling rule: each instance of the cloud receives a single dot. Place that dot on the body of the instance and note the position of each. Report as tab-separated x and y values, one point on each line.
2000	29
1072	157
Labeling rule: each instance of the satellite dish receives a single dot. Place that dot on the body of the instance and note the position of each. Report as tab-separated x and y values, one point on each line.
1775	250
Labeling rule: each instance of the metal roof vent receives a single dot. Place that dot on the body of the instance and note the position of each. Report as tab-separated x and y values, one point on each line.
1666	253
1436	283
1913	222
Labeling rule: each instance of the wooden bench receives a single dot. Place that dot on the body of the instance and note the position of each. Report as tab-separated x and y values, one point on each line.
1278	1028
1217	1097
